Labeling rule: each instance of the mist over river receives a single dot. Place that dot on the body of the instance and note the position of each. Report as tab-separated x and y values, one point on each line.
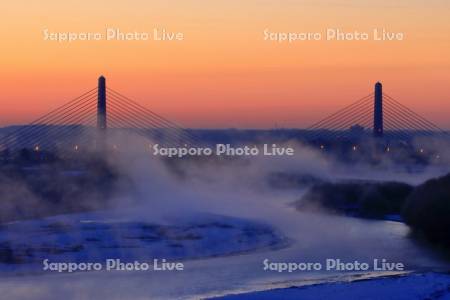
312	238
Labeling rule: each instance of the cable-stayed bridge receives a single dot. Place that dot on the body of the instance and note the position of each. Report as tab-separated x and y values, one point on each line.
377	115
90	120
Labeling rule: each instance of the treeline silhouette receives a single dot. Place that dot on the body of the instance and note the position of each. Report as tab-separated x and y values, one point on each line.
32	190
425	208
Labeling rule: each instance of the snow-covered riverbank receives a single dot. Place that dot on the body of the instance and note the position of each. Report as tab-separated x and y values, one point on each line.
405	287
236	269
96	237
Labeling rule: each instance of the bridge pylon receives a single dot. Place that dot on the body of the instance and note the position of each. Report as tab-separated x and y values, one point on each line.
378	129
101	114
101	104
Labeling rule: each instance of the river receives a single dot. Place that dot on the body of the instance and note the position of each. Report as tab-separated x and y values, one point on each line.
312	238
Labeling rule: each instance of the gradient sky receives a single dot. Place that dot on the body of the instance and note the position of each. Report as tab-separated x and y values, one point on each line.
224	74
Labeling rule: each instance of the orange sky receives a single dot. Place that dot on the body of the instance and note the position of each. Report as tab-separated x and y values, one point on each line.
223	74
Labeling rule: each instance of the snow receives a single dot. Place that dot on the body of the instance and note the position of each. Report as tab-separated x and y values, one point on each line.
226	260
95	237
407	287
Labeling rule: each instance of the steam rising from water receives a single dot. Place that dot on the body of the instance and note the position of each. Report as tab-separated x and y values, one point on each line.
164	192
239	188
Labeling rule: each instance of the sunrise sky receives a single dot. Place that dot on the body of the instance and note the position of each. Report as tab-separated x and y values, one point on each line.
224	74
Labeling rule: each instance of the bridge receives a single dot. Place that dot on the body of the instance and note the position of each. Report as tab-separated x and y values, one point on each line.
377	115
89	121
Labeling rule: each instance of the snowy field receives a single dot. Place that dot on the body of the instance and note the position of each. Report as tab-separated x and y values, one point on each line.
406	287
94	237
